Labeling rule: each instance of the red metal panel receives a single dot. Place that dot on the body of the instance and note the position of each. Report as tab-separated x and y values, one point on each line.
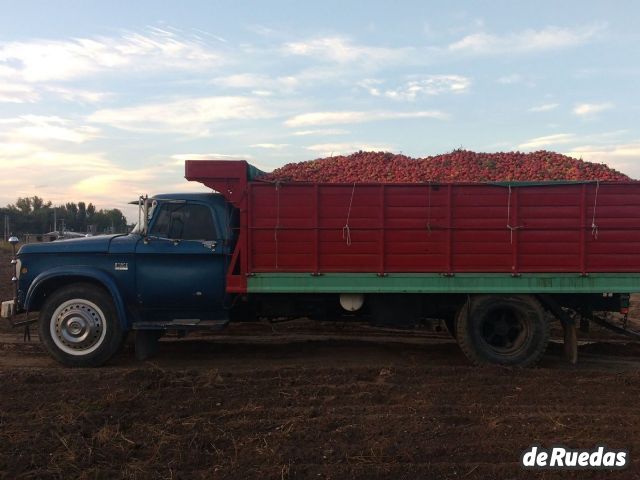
452	229
514	227
376	228
449	229
583	230
316	233
246	229
228	178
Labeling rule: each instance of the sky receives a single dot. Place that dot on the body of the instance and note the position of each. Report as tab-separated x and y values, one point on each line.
103	101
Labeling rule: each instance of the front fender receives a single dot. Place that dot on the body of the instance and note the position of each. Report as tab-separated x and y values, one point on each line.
80	272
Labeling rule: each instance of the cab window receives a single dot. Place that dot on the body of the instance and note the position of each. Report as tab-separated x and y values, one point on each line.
184	221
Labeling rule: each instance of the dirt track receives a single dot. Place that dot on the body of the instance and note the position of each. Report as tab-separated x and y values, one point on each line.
310	401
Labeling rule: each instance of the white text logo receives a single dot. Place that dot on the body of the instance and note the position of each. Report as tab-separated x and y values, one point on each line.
566	458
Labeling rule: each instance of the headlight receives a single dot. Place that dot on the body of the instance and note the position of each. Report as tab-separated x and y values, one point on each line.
18	268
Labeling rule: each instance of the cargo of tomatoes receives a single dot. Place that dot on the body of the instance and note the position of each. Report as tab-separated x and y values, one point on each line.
457	166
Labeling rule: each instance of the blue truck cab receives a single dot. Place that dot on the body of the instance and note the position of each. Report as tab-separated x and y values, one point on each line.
169	272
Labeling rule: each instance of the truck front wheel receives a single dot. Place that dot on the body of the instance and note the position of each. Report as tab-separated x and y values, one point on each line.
79	326
503	329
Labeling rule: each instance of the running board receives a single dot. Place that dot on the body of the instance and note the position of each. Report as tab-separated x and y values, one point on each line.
182	324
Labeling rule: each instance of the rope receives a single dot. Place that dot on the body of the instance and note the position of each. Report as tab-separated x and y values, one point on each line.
346	231
277	227
594	226
511	228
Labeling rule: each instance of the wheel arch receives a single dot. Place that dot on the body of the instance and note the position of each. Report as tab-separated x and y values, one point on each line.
51	280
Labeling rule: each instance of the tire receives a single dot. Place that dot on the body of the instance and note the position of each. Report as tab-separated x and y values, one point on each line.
79	326
504	330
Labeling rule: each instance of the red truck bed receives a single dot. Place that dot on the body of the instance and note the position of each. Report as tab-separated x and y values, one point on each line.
428	228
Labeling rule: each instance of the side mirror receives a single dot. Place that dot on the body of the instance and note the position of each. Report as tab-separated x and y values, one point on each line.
143	214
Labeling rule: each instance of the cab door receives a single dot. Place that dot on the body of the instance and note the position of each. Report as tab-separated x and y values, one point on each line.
181	264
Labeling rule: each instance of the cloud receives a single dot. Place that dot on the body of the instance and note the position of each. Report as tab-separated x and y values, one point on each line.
510	79
270	146
321	131
339	49
622	156
88	176
335	118
181	157
549	38
586	109
70	176
39	128
545	107
191	116
308	78
627	150
79	95
262	30
427	86
102	185
539	142
326	149
603	139
27	93
17	93
54	60
241	80
252	80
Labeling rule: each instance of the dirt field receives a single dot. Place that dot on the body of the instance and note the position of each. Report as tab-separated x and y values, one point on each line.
306	400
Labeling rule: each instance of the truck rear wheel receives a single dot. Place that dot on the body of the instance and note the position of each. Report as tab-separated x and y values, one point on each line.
79	326
503	330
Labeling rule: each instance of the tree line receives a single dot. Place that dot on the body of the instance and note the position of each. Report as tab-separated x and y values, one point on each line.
35	215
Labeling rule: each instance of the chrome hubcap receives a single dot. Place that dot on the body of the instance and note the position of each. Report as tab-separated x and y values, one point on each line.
78	326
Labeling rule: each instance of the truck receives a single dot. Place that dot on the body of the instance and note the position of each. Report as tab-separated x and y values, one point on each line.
498	263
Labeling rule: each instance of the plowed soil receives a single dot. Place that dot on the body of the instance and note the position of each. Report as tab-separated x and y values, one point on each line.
309	400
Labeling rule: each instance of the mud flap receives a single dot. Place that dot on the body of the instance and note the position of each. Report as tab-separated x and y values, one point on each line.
568	327
570	342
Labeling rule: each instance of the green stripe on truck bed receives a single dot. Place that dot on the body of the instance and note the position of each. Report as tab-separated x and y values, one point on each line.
436	283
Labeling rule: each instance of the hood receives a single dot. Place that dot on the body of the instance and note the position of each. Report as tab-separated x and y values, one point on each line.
97	244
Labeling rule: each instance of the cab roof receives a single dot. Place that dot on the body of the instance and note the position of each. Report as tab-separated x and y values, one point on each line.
200	196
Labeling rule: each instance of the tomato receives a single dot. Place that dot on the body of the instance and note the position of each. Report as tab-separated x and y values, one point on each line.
456	166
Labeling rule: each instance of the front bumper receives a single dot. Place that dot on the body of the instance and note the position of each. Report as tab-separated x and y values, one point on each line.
17	317
8	309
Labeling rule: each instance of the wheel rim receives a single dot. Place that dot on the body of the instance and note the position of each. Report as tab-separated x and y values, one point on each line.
78	327
505	330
